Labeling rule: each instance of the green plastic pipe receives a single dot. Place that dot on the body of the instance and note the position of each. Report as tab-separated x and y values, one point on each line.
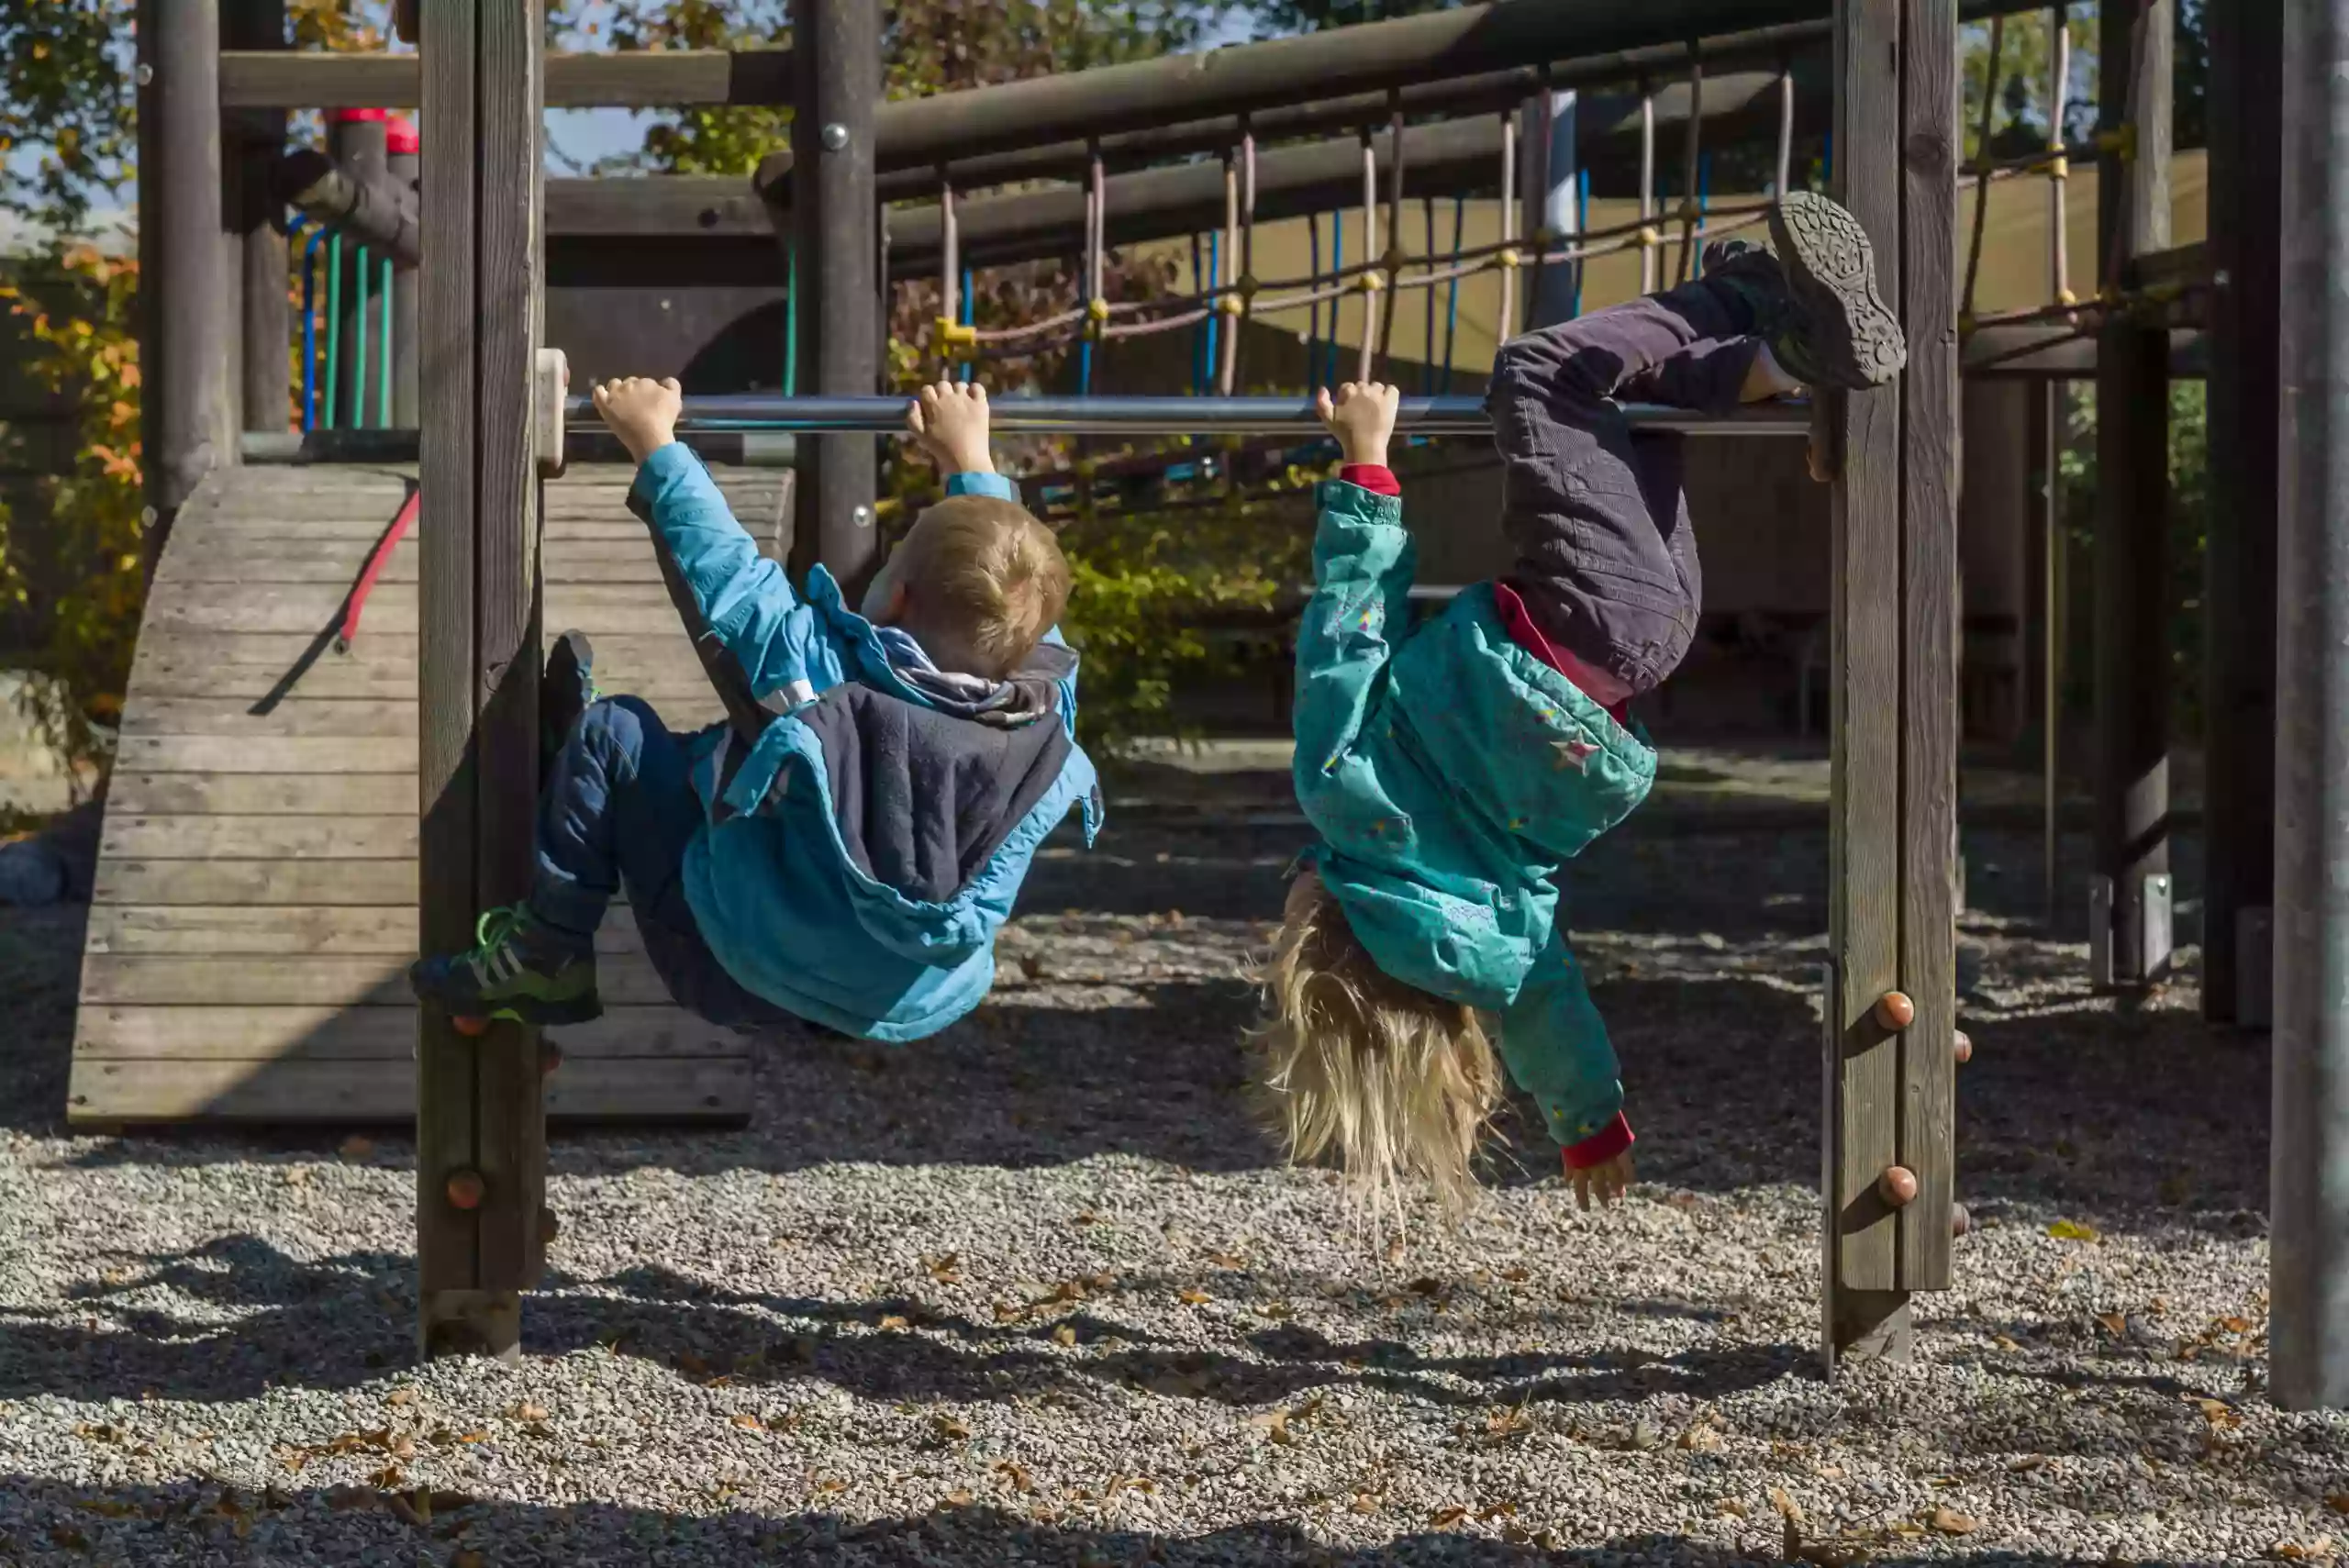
358	341
384	337
334	325
791	324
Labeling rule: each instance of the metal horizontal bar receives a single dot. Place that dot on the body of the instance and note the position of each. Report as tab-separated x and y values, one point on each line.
1167	416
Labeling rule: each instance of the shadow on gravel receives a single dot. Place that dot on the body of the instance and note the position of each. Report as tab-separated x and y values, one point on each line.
53	1523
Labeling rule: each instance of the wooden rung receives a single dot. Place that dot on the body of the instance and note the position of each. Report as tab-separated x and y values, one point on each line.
289	930
265	1032
372	882
174	980
635	1088
263	795
269	838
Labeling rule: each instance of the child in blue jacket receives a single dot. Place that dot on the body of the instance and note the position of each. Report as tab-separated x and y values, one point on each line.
1451	770
845	847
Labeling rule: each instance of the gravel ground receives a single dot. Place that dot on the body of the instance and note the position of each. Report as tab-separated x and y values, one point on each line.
1034	1292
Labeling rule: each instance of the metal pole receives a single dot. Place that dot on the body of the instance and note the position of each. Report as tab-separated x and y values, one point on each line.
836	53
1457	415
2308	1245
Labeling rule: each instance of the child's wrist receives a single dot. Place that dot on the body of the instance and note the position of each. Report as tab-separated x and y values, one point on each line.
643	448
1365	457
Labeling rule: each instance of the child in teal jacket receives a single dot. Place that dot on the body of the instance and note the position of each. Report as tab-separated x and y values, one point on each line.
1451	770
845	847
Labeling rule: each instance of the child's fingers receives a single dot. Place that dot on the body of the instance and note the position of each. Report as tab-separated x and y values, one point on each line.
1322	404
669	383
916	426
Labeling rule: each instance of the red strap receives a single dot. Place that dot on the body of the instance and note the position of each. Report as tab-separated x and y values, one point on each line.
383	548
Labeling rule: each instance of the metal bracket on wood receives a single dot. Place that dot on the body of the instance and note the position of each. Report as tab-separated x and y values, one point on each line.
549	394
2101	932
2157	928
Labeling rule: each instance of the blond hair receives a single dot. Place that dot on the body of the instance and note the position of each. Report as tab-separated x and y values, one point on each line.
1396	1083
983	582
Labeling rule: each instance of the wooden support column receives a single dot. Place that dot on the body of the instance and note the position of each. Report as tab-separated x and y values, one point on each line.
835	54
481	1125
2239	646
1889	1069
191	410
359	141
2130	932
404	156
266	369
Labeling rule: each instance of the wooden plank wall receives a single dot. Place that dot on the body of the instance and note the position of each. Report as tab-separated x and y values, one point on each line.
256	901
1887	1090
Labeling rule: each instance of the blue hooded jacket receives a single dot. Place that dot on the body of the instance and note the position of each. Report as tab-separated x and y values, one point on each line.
1450	773
861	854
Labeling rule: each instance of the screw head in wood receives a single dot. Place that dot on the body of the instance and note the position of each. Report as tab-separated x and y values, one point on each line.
1963	1045
1897	1185
466	1189
1895	1011
835	137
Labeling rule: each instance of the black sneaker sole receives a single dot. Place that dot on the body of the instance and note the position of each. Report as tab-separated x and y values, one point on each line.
542	1015
1832	271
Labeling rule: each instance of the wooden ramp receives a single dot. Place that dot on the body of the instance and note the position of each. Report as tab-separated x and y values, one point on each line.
255	908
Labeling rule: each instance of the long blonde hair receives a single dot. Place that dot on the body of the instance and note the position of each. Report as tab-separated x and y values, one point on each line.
1396	1083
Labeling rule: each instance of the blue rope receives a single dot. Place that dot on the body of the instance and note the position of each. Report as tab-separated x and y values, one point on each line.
1313	330
968	319
1582	227
1451	309
1215	321
309	326
1198	329
359	272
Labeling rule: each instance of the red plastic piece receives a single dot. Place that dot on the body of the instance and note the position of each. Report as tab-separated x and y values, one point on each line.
404	520
400	136
343	117
472	1028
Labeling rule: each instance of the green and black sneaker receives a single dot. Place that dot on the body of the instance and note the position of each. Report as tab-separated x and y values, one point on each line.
520	972
1815	300
565	689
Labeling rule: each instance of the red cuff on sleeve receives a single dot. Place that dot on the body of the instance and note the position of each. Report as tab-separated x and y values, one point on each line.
1376	478
1601	1146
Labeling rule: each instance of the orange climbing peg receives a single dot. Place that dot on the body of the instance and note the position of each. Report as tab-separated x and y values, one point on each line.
1895	1011
1897	1185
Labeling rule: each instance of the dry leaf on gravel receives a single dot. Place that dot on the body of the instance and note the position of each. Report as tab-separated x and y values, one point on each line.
958	1498
895	1320
748	1422
1444	1518
2072	1230
1192	1296
1949	1521
2112	1323
948	1429
1064	1334
1701	1440
1015	1474
1788	1509
2297	1551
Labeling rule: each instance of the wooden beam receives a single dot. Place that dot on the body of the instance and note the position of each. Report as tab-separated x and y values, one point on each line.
2059	353
2131	946
677	78
264	368
657	204
193	414
1864	1312
2239	560
479	1102
836	229
1932	634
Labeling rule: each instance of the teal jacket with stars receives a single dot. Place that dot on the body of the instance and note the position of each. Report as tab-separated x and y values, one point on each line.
1450	773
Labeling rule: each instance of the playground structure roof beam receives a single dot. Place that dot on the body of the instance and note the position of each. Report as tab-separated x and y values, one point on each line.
758	412
663	78
1370	58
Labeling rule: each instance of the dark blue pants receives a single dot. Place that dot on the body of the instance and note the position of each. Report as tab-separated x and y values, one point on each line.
1606	557
619	808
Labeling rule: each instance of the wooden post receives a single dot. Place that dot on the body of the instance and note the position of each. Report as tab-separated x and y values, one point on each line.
192	412
836	55
2308	1250
2130	938
264	360
404	156
481	1128
2239	645
1891	1001
359	141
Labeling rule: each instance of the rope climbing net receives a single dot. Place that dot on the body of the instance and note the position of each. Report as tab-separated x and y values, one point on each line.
1229	294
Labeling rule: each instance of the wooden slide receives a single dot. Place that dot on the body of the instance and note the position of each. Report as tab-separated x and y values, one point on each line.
255	908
